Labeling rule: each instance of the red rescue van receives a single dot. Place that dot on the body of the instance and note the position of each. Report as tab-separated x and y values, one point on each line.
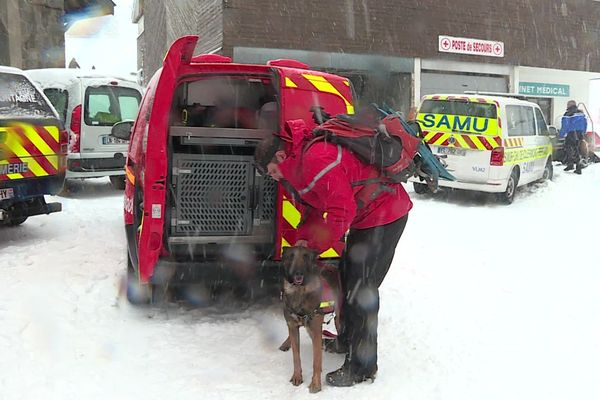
195	206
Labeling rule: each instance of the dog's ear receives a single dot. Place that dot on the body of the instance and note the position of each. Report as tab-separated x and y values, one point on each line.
312	256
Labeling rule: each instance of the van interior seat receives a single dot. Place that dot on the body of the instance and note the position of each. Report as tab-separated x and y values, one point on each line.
105	118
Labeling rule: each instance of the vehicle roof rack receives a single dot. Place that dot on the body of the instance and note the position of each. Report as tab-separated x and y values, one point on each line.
498	94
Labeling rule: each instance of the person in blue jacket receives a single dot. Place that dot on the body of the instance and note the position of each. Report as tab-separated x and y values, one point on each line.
573	128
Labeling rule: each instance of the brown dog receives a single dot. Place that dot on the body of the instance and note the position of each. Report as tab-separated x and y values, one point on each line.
302	290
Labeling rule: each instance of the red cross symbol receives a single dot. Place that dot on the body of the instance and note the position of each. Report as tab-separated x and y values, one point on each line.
445	43
497	48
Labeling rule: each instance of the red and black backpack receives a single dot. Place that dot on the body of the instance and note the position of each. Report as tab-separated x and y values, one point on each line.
382	142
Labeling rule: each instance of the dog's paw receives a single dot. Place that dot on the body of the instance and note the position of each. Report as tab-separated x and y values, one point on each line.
296	379
315	386
285	346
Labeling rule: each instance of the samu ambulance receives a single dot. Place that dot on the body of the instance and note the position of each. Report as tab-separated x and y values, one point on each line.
489	143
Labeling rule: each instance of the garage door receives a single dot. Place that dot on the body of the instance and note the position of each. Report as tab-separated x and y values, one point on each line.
435	82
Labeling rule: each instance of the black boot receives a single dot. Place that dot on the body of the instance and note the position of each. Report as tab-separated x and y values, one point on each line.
570	167
345	376
578	170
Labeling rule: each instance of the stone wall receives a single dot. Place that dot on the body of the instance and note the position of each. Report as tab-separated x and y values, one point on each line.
33	33
165	21
4	48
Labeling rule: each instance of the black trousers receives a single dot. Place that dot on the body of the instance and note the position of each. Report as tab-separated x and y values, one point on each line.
572	155
365	262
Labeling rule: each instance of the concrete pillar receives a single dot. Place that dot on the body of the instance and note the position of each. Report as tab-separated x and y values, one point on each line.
15	38
416	98
514	80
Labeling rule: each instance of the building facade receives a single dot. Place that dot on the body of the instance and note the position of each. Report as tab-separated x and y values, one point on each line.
397	51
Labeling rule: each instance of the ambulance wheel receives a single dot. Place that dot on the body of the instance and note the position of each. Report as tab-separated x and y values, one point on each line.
137	294
508	195
548	171
421	188
118	181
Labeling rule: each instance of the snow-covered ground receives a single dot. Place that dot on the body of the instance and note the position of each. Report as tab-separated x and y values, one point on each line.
483	302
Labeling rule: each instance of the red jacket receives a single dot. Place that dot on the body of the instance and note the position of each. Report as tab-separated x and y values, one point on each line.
323	176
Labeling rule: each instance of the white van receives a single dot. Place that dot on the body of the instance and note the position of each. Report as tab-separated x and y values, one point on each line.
490	143
90	103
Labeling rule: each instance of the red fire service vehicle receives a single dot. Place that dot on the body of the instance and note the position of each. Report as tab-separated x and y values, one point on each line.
195	206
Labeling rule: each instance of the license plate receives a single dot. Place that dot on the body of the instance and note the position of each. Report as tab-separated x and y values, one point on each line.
6	194
113	140
452	151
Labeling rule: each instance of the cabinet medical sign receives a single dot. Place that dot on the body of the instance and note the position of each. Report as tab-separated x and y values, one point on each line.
544	89
476	47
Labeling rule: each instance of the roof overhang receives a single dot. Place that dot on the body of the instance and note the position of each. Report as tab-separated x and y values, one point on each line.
138	11
82	9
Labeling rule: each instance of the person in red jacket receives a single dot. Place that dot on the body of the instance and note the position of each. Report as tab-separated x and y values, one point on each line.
327	177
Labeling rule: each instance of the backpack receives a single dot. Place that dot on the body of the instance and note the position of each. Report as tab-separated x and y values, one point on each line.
383	141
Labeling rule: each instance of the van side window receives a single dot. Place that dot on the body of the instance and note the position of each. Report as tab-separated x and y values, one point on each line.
520	121
60	100
541	123
529	125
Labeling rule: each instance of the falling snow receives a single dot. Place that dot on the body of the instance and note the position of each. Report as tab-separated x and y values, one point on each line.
483	302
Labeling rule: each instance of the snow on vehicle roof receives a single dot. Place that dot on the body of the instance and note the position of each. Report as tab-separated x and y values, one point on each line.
10	70
50	75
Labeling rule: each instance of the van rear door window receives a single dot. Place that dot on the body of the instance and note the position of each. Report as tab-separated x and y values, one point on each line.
453	107
239	102
19	98
107	105
129	107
